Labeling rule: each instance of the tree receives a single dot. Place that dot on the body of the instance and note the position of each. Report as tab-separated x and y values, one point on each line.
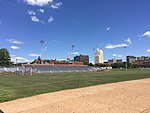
90	64
101	65
118	65
5	59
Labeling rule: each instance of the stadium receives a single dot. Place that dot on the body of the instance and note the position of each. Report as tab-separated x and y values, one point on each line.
78	64
74	56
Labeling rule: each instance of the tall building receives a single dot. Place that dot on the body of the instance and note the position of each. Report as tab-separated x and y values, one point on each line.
98	58
82	58
112	61
131	59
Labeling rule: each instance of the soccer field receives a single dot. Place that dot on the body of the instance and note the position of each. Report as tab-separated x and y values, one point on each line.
19	86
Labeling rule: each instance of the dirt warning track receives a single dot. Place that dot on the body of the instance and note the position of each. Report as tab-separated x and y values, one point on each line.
123	97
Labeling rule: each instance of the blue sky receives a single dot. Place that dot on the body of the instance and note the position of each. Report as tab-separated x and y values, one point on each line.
106	24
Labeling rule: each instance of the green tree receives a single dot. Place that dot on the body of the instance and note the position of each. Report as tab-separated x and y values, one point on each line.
90	64
5	57
101	65
118	65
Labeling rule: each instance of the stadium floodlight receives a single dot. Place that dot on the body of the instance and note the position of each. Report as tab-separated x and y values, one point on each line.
16	62
73	46
126	66
42	42
94	56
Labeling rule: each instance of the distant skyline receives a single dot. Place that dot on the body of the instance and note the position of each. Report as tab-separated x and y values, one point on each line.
87	24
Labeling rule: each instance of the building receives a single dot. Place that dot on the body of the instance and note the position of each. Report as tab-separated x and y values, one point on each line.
82	58
143	63
112	61
98	58
38	61
59	62
131	59
143	58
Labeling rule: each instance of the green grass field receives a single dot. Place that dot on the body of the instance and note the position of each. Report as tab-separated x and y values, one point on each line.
19	86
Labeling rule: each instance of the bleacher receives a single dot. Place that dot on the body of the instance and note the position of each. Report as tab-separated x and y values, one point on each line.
2	69
46	69
65	68
81	68
8	69
54	69
11	70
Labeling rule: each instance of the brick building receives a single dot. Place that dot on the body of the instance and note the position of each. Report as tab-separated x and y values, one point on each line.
82	58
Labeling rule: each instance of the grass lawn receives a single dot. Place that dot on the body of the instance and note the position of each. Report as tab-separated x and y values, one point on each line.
19	86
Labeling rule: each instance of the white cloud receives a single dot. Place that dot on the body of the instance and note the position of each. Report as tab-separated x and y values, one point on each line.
38	2
19	59
31	12
57	5
34	55
114	54
74	53
146	34
35	19
50	19
27	60
112	46
148	50
13	55
128	41
119	56
42	22
14	47
108	28
41	10
54	7
13	41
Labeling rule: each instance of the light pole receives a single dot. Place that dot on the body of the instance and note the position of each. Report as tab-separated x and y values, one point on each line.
126	58
93	56
16	62
16	66
73	46
42	42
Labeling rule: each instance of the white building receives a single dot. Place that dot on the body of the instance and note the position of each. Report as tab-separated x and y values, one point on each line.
98	58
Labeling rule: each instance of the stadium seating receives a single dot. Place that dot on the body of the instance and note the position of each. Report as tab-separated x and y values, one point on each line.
11	69
2	69
46	69
81	68
65	68
53	69
8	69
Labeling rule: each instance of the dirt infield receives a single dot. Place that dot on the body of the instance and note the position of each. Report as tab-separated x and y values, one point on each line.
123	97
